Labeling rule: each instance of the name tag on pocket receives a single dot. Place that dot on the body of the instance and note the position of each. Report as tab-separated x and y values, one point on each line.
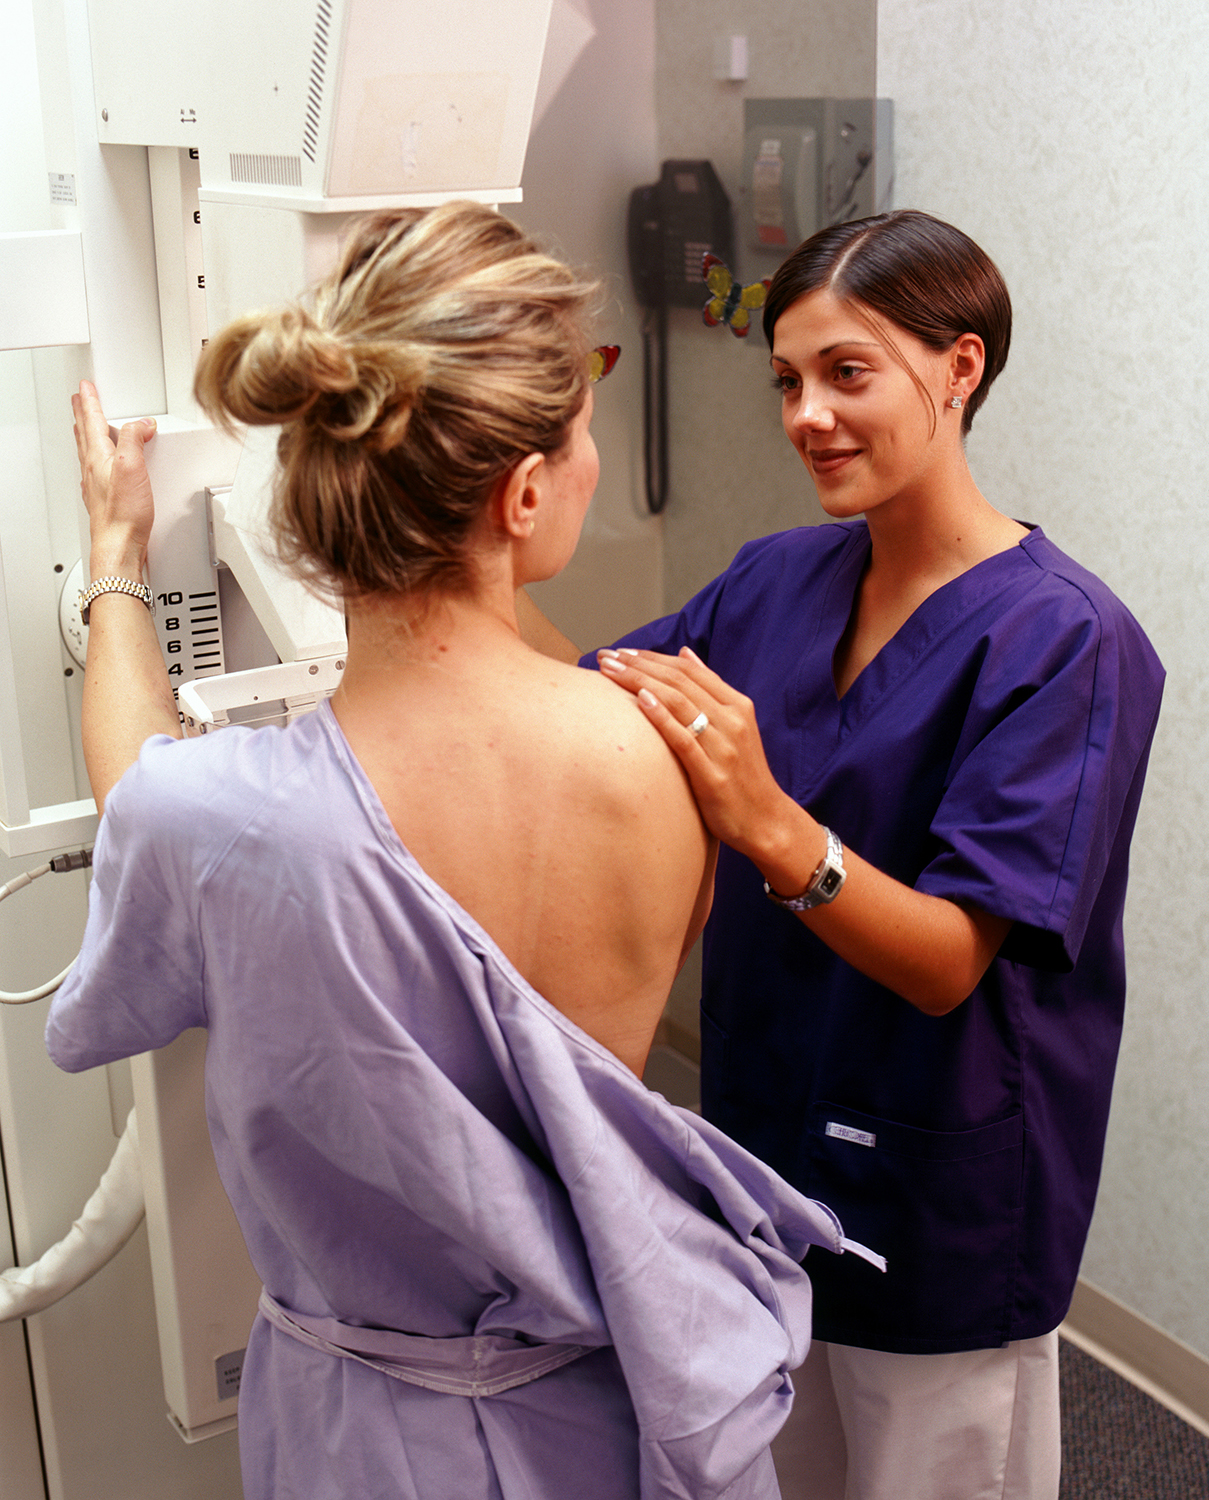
848	1133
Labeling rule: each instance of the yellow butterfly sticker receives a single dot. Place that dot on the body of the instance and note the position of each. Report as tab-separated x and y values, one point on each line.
731	302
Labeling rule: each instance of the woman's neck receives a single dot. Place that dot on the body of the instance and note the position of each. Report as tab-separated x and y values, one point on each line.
920	542
392	639
939	533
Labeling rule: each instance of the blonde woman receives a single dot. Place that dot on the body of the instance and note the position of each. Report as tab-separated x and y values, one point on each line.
430	929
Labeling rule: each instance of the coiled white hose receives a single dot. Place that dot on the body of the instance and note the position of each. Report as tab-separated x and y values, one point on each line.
107	1221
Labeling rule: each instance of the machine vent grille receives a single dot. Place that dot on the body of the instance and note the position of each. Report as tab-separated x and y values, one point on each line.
314	98
267	171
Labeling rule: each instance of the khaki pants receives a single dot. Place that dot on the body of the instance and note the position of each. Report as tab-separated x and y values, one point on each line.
979	1425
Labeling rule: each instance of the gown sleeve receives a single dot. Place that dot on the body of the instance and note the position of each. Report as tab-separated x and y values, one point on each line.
137	983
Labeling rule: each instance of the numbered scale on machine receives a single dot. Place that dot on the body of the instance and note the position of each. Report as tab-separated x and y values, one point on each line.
184	459
186	609
189	627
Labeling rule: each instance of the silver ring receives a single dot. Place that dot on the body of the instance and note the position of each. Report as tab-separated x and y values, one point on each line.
698	727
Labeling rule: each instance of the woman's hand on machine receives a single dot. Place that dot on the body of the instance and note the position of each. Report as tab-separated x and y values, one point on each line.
114	483
127	692
712	729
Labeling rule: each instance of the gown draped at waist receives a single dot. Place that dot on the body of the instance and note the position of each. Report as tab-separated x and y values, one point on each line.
468	1366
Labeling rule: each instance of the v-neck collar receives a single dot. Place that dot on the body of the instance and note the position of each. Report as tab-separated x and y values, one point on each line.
814	693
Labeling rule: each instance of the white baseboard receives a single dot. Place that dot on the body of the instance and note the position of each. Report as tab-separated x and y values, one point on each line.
1144	1354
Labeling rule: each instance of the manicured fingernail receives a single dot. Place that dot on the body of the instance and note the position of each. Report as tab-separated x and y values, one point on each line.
688	651
648	700
627	651
610	663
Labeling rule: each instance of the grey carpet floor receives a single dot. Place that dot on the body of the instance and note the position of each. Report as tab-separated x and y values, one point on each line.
1119	1444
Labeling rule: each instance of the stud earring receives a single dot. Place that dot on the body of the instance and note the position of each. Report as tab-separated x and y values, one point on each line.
956	403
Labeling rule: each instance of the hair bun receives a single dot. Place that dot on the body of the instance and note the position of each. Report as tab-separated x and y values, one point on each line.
272	367
443	348
370	392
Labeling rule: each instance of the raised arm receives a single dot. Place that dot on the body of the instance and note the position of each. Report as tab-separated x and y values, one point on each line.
929	950
127	695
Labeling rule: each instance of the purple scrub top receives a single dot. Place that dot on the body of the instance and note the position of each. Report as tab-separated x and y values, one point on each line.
443	1182
993	752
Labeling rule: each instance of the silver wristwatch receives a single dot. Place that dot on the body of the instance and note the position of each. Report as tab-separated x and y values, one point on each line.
825	884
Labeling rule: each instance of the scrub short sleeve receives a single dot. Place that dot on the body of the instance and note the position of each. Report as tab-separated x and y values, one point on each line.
1035	822
137	983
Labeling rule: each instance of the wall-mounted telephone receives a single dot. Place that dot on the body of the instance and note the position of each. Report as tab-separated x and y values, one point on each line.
673	224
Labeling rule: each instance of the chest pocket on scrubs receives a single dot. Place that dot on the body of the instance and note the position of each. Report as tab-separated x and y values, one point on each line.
943	1207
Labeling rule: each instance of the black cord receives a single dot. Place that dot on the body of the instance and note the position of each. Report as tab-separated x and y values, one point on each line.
654	408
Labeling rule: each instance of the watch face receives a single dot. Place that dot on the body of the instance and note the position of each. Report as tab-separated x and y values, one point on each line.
828	888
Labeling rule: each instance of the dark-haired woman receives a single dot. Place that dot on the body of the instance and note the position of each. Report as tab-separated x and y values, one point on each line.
920	734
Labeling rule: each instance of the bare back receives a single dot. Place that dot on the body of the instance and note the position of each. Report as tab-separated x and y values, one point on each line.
542	800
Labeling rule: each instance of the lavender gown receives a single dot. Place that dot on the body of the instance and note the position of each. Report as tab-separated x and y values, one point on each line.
495	1265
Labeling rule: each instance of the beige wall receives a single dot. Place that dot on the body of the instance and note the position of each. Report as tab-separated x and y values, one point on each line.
1065	135
593	144
733	475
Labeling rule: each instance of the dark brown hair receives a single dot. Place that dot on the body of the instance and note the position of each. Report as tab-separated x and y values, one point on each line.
917	272
444	348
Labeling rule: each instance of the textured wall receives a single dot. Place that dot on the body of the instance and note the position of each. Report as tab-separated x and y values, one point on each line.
1066	138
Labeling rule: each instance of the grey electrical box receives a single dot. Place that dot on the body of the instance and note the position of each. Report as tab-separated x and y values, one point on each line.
808	163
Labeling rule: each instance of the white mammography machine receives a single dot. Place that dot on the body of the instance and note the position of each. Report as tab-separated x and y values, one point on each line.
201	160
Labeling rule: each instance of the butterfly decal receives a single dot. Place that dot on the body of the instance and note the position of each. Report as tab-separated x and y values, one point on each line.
731	302
601	361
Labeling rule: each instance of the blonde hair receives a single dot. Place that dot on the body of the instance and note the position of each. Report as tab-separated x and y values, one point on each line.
444	348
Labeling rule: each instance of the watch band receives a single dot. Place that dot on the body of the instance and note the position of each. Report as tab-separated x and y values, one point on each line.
824	885
110	585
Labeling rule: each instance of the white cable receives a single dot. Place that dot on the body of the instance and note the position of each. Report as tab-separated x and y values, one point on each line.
107	1221
23	997
23	880
62	863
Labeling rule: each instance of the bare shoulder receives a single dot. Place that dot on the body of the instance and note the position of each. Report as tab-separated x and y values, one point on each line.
612	729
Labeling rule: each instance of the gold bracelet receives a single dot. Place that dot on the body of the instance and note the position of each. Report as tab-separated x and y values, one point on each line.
114	586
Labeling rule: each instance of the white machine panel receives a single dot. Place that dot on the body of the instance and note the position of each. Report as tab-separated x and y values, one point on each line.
42	273
205	1288
183	460
366	101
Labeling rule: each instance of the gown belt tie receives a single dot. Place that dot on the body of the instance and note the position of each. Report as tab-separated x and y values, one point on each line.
476	1365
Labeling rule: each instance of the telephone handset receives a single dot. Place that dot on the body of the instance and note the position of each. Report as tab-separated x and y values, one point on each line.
673	225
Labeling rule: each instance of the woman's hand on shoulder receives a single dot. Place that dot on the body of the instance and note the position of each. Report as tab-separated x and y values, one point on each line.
114	483
712	729
929	950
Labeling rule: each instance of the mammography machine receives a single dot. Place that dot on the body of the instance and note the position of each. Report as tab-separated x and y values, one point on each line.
195	160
